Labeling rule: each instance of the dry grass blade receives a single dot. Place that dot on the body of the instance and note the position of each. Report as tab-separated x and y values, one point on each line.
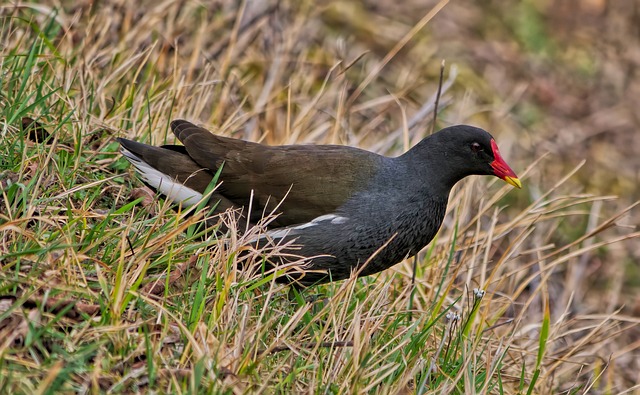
394	51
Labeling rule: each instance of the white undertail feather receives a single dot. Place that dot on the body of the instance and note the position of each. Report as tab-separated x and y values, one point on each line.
164	184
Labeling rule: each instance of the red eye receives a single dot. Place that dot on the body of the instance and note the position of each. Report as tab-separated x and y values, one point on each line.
475	147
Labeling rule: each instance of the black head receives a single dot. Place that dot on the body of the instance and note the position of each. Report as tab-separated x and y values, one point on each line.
459	151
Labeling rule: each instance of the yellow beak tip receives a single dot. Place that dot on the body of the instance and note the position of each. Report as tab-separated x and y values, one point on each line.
513	181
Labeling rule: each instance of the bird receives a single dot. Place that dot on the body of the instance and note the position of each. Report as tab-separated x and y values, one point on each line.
342	209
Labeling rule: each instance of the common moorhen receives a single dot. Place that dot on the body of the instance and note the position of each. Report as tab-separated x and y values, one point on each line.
342	206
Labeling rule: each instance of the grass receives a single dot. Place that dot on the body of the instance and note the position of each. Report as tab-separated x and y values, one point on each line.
105	290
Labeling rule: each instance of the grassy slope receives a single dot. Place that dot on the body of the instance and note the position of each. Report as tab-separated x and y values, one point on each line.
102	289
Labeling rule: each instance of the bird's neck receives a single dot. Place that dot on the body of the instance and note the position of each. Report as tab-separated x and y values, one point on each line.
429	172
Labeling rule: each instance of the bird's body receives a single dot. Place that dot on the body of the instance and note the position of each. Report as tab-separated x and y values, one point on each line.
342	206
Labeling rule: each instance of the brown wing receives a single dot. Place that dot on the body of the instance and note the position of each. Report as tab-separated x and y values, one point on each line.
316	180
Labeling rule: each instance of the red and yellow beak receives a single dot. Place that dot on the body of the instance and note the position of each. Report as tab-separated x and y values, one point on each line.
501	169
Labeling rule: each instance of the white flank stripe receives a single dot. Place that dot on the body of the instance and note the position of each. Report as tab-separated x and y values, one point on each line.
277	234
325	217
307	225
163	183
283	232
339	220
335	219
